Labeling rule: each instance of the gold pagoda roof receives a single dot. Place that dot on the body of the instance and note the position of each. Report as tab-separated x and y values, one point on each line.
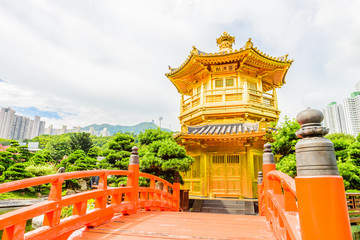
272	69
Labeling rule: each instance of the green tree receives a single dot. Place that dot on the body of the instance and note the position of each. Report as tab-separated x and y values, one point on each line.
80	141
287	164
162	157
58	148
15	172
342	143
350	173
122	142
285	138
94	152
152	135
118	155
6	159
37	159
78	161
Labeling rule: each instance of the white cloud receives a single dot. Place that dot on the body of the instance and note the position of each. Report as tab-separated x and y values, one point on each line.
104	61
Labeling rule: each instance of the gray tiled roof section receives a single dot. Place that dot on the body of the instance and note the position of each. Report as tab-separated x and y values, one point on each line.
223	128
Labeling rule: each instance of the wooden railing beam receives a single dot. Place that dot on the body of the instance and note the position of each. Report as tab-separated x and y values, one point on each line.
13	223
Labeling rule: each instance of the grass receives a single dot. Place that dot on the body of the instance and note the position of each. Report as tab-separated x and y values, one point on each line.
17	195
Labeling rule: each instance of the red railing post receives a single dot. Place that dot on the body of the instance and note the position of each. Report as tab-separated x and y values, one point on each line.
100	202
176	191
52	218
133	180
260	193
320	190
268	165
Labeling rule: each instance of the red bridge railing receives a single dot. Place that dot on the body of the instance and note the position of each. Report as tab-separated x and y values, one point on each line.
313	205
125	200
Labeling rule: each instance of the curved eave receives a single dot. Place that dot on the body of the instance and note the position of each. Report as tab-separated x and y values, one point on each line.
215	56
196	60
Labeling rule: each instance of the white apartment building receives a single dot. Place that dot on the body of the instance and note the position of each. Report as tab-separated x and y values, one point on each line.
334	118
19	127
7	116
352	113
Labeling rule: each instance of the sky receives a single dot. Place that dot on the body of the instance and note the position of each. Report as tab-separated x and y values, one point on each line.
76	62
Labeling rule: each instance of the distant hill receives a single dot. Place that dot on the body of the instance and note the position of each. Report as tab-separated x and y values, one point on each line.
141	127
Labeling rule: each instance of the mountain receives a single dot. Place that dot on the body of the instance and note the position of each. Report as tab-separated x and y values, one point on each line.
141	127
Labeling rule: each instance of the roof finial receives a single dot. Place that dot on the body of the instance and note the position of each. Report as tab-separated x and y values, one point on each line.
249	44
225	42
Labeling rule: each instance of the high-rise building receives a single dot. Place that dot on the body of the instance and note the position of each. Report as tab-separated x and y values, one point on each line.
104	132
63	129
352	113
7	116
36	127
19	127
42	128
334	118
357	87
48	130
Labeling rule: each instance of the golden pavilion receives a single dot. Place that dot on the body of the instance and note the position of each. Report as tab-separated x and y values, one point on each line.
228	100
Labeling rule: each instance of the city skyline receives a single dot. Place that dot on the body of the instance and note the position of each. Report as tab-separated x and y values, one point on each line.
104	62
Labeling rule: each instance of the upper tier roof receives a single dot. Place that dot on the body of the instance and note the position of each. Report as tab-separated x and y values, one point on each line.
272	69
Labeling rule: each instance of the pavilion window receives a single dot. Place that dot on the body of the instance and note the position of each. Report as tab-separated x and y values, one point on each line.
196	168
257	164
219	83
198	90
230	82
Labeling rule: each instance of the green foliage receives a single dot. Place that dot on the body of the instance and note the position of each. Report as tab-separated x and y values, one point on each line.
41	170
287	165
37	159
162	157
17	195
122	142
101	142
2	169
118	159
285	138
78	161
15	172
4	142
118	154
94	152
350	173
58	148
152	135
6	159
341	142
80	141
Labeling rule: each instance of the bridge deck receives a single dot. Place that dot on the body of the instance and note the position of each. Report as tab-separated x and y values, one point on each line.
179	225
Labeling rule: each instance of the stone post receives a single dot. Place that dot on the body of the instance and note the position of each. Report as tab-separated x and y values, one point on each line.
133	180
319	188
268	165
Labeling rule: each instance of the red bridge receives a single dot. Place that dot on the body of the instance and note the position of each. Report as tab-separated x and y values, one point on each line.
311	206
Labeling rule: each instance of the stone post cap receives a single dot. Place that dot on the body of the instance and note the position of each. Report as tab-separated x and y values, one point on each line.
134	157
267	148
315	154
268	156
310	121
135	150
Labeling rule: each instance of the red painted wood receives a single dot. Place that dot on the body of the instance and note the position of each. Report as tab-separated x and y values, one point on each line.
180	225
13	223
